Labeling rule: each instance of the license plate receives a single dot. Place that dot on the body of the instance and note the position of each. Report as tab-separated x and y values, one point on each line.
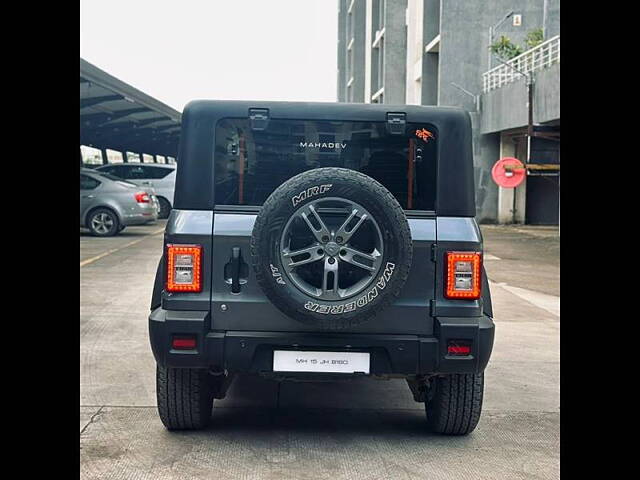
321	362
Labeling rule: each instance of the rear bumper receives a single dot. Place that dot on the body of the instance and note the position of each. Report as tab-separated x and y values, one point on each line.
140	218
252	352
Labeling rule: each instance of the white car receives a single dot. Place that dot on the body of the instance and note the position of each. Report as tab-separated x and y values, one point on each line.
162	177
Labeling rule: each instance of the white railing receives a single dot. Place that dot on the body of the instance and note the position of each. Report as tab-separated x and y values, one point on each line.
537	58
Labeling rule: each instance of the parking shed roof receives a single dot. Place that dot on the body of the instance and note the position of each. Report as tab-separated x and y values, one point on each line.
116	116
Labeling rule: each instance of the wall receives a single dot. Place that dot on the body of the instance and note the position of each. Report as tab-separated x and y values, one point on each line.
506	107
430	61
341	47
358	49
415	47
395	52
512	147
359	13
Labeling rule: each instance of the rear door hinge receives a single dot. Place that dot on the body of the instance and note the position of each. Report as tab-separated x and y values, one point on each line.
259	118
434	247
396	123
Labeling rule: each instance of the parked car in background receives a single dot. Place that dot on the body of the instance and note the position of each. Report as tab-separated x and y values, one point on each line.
108	204
162	177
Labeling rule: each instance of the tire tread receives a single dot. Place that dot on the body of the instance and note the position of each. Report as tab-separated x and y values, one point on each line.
184	397
298	183
456	405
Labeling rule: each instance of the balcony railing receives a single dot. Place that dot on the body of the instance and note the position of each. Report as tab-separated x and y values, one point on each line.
537	58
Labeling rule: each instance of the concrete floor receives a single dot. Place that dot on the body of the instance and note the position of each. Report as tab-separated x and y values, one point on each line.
365	430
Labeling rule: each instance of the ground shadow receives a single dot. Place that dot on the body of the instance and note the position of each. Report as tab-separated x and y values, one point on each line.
359	407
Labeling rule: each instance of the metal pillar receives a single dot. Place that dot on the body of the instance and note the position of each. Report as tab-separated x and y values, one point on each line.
545	7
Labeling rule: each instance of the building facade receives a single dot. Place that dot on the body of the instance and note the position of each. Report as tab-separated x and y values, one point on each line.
436	52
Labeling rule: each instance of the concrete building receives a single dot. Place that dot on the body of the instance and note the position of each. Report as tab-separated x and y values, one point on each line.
436	52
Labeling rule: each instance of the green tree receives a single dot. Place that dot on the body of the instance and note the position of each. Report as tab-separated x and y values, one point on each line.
534	38
505	48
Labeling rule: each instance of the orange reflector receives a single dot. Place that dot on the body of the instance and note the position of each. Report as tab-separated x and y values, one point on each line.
184	268
463	275
188	343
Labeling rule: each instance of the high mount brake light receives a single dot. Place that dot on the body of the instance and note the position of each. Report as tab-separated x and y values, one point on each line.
142	197
184	268
464	270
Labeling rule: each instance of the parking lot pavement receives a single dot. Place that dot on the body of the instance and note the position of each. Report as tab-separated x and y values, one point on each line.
93	248
362	429
512	249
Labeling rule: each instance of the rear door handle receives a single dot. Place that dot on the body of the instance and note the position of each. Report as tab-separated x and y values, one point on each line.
88	196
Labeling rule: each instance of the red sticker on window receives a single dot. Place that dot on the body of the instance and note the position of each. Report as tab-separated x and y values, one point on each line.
424	134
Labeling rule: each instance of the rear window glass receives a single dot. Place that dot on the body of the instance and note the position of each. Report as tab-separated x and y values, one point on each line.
113	177
157	172
109	176
251	164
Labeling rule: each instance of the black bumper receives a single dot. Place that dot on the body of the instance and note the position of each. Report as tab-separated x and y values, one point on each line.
252	352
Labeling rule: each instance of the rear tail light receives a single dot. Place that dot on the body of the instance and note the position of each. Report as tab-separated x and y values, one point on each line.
142	197
184	268
463	275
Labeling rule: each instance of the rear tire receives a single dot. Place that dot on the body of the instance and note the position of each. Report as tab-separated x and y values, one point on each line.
456	404
165	208
185	397
103	222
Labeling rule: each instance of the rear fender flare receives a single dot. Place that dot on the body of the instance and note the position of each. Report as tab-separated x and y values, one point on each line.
158	285
487	307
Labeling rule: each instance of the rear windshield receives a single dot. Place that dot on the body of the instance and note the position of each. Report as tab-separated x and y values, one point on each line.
100	173
251	164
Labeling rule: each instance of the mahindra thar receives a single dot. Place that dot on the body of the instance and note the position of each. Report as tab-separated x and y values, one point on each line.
322	241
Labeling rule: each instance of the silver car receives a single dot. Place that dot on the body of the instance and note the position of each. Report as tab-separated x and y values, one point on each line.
160	176
108	204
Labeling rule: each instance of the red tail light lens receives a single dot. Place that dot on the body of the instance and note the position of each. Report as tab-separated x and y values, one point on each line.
184	268
464	270
183	343
460	348
142	197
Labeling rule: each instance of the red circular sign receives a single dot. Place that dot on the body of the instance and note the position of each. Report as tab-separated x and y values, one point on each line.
506	177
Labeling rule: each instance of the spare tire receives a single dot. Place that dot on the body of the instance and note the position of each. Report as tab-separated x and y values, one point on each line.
331	247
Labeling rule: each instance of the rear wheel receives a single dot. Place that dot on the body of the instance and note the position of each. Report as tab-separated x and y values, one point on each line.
456	404
185	397
165	208
103	222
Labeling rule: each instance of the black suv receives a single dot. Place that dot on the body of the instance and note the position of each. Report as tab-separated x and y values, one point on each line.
311	241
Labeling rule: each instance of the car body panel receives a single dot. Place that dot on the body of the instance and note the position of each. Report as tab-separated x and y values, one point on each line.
251	310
